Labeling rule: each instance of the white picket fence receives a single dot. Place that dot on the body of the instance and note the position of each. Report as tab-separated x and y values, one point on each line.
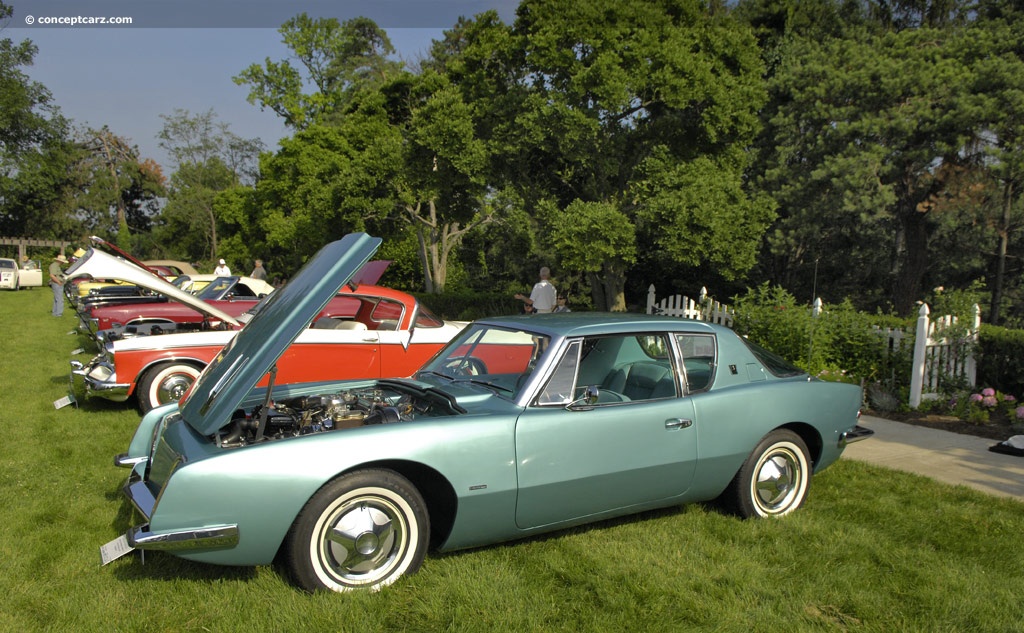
936	356
702	309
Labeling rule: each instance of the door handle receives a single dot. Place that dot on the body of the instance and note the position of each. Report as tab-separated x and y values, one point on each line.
678	423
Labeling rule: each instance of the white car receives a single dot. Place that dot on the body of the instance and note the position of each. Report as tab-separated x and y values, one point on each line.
30	276
9	274
195	283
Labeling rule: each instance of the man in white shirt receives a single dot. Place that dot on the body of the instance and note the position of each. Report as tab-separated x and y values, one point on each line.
542	299
222	270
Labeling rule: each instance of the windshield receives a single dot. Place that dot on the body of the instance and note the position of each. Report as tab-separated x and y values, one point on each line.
217	288
497	358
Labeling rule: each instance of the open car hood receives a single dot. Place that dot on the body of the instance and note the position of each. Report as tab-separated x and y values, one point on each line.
243	362
100	265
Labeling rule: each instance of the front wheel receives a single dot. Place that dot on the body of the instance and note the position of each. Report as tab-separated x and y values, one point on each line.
775	478
363	530
165	383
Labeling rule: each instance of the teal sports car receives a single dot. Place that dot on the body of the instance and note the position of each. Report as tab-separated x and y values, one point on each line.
520	425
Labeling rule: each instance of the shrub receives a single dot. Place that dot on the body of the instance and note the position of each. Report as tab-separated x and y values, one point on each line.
468	306
1001	358
839	343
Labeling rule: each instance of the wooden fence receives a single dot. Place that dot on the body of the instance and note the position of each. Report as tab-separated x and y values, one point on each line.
702	309
940	352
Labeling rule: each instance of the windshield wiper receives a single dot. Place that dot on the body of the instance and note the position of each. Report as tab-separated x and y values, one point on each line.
487	383
437	373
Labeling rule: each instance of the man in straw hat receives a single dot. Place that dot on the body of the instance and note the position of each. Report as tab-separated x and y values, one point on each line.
57	284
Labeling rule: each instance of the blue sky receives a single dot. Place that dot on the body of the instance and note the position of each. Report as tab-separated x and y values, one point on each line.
126	77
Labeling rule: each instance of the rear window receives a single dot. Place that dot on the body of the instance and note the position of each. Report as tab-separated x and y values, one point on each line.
774	363
7	263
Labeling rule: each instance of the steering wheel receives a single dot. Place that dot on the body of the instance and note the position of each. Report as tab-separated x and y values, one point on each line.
465	366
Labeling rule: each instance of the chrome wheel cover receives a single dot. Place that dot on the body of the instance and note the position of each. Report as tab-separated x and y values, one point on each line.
173	388
363	540
780	480
171	384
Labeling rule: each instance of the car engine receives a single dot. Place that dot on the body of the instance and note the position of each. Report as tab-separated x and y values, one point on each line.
306	415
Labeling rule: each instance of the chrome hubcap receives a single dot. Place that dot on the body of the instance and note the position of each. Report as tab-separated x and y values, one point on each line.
173	388
362	541
778	480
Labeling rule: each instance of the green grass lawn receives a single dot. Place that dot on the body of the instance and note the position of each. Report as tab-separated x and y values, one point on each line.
872	550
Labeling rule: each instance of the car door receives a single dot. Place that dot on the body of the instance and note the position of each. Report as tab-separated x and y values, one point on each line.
578	461
331	354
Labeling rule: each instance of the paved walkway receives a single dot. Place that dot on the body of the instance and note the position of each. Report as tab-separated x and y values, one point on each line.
949	457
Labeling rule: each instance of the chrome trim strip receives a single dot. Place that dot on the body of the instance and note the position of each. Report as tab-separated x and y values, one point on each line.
218	537
123	461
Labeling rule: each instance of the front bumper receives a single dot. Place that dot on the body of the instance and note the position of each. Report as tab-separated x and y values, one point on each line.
98	379
856	434
141	537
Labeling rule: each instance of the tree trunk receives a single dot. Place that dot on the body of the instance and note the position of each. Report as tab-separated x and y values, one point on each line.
911	261
437	240
112	160
608	288
597	294
1004	242
614	282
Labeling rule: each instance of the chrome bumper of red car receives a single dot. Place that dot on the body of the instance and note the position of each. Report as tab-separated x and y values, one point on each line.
99	380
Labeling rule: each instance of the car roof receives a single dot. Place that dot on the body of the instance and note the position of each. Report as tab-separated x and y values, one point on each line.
595	323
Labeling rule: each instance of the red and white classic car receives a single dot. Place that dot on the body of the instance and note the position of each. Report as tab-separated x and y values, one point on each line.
366	331
369	332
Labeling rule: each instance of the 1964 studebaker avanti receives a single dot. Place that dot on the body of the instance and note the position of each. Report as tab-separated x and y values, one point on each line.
520	425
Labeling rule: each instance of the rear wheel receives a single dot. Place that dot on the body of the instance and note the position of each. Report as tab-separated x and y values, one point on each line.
363	530
775	478
165	383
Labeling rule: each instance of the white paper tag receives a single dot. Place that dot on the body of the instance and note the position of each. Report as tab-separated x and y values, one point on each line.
115	549
63	402
77	351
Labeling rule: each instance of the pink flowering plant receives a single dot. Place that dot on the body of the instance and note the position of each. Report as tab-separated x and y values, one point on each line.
986	406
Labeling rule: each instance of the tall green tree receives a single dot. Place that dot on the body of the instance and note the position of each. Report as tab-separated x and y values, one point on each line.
118	190
867	136
208	159
994	51
323	182
614	102
336	60
36	151
373	141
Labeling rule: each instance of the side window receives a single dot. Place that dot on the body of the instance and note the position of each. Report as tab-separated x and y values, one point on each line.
698	360
387	315
628	368
560	388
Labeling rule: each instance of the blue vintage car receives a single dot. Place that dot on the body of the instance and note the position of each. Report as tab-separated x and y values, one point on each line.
520	425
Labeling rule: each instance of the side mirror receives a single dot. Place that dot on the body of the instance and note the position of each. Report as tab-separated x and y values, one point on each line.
590	396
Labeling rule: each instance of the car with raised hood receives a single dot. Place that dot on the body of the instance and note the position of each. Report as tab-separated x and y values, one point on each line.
98	290
222	304
520	425
180	310
366	331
